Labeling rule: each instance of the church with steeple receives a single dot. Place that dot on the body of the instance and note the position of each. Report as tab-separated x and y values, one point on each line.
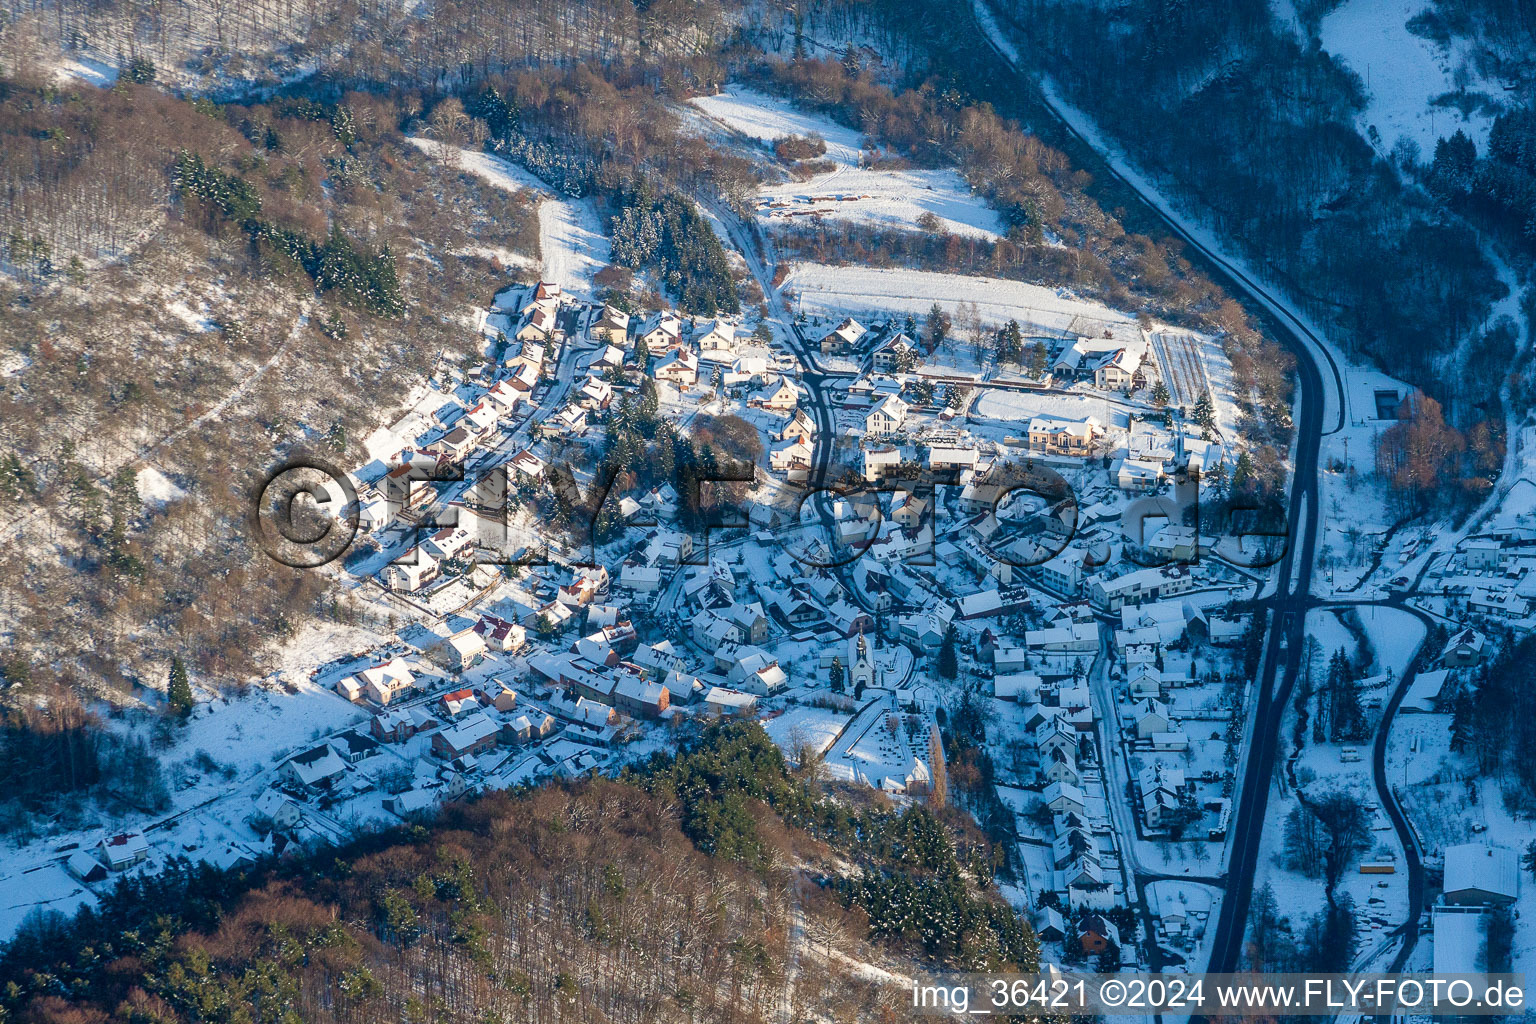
861	662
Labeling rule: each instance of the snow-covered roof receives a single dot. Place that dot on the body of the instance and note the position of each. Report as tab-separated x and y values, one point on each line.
1480	867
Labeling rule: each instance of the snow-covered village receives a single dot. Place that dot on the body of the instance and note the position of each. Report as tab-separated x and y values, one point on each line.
1167	613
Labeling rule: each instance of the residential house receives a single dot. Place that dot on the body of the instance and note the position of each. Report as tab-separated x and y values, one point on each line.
660	331
894	354
1139	475
1063	573
384	683
571	420
414	570
1050	925
1464	649
1112	594
612	327
800	427
459	652
1096	933
317	768
473	735
457	704
401	724
679	366
1119	370
528	467
715	339
880	460
790	456
451	542
1151	718
641	578
721	701
1162	788
501	635
610	357
659	659
539	325
640	699
123	850
950	458
594	394
843	338
527	728
886	417
1063	798
1063	437
780	396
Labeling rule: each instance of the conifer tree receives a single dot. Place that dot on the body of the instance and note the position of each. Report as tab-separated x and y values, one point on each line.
179	691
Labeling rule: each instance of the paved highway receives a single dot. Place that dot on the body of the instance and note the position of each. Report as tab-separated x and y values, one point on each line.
1287	608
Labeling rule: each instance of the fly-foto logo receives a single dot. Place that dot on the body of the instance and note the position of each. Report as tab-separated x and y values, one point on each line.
306	514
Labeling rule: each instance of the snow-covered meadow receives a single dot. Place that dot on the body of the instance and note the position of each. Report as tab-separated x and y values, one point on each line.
825	290
1404	73
851	190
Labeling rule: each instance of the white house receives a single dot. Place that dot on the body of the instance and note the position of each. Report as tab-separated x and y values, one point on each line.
123	850
886	417
1063	798
715	339
383	683
1151	718
415	570
679	366
460	651
1139	475
449	542
659	331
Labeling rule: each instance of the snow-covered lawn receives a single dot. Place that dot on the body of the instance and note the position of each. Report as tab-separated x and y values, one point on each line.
1402	73
1020	406
571	236
849	191
826	290
813	727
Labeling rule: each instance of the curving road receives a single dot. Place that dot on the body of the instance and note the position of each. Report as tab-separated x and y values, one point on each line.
1287	608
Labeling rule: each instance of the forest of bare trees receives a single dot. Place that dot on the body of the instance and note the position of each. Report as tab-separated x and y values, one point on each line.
128	358
1256	130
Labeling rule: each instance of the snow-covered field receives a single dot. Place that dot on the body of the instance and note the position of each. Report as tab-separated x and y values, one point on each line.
826	290
571	237
1021	406
1402	73
849	191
